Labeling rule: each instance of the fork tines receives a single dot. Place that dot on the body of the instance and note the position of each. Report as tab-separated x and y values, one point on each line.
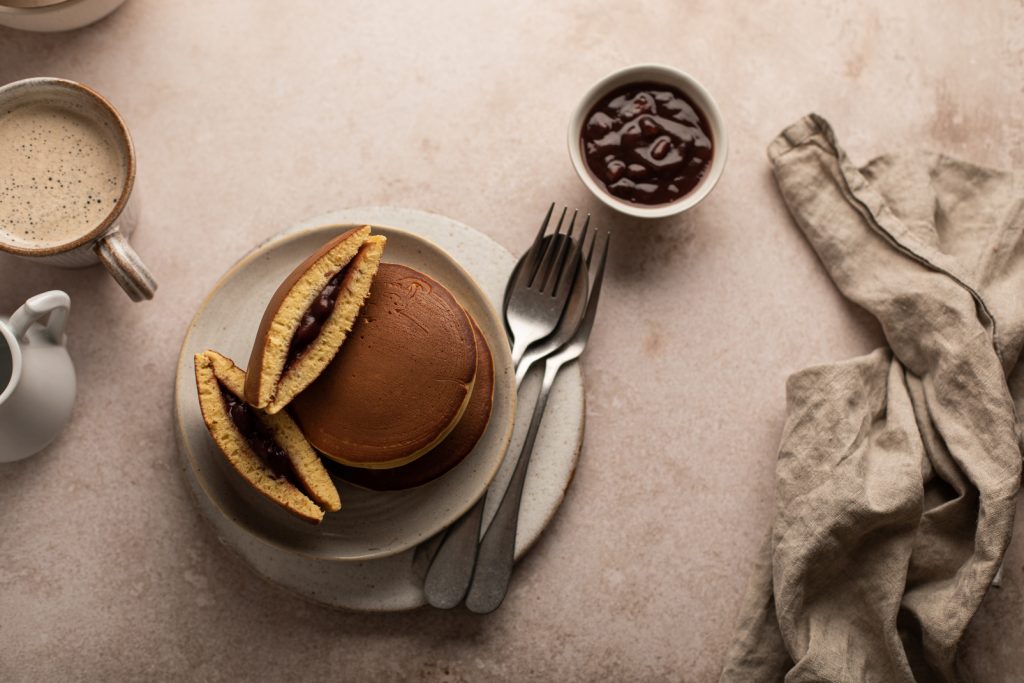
548	255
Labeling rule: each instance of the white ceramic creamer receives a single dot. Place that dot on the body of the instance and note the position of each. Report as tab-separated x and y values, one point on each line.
37	377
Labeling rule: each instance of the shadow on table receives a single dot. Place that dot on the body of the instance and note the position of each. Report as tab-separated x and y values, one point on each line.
21	279
58	54
642	249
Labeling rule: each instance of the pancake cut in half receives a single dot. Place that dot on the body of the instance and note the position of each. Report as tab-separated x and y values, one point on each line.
268	451
401	382
309	317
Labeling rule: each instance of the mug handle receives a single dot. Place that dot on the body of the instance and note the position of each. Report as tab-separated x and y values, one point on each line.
125	265
55	303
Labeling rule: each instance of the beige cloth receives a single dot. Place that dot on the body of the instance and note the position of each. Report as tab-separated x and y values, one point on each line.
897	472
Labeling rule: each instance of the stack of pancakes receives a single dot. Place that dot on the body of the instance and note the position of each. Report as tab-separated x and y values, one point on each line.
384	373
408	396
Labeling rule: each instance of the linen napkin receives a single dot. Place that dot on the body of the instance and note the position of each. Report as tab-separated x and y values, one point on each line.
897	471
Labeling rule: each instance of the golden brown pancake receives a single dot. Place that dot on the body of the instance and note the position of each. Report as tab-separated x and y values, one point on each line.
309	316
400	383
445	455
268	451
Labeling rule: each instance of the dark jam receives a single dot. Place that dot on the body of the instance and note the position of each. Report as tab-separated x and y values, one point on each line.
259	438
647	143
315	316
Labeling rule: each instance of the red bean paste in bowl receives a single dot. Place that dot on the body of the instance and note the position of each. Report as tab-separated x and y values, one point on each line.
647	143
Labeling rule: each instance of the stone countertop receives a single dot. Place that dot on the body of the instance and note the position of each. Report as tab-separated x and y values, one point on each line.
251	116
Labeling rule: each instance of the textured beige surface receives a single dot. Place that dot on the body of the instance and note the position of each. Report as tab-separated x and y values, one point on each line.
249	116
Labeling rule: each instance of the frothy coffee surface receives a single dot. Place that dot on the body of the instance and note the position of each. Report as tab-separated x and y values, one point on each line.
61	174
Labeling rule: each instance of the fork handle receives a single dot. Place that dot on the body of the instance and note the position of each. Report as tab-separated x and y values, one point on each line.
496	554
448	577
451	568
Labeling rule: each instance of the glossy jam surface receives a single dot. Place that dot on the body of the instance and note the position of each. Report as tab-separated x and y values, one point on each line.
259	438
647	143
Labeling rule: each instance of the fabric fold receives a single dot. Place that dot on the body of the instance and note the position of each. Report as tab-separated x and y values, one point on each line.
897	471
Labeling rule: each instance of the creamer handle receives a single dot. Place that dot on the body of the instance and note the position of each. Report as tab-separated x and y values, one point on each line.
54	303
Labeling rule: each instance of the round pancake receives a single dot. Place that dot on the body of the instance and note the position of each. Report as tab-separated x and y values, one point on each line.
445	455
400	382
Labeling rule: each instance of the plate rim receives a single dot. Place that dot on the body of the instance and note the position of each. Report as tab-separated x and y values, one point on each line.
318	224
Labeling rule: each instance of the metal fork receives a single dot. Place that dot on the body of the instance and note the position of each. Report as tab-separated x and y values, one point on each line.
496	553
542	286
451	568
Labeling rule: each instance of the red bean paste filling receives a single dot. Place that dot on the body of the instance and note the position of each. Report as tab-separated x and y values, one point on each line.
647	143
313	319
260	438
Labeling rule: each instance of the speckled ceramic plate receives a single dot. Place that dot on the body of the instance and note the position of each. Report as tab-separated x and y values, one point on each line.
370	524
363	557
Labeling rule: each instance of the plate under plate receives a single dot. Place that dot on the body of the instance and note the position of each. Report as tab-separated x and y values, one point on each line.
318	561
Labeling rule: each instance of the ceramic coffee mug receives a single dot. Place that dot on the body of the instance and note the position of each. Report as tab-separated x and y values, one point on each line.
67	168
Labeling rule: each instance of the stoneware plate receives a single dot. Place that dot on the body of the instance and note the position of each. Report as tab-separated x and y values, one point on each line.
370	524
363	557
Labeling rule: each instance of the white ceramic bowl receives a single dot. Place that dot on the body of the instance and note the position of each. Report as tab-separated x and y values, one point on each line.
654	73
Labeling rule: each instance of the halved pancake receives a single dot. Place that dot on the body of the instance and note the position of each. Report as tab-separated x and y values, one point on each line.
309	317
445	455
268	451
401	382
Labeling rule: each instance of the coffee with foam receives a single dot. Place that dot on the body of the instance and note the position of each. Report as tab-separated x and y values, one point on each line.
62	173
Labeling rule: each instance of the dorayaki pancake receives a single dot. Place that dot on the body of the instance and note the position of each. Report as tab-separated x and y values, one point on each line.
309	317
445	455
400	383
268	451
